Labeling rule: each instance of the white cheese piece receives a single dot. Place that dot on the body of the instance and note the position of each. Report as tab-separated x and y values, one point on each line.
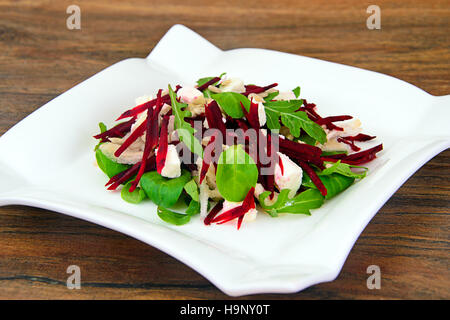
189	94
129	156
172	165
291	178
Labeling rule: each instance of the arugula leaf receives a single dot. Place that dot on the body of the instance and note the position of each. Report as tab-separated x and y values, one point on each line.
171	217
300	204
345	170
191	189
335	183
109	166
164	191
307	139
103	128
293	119
132	197
296	91
184	130
230	102
236	173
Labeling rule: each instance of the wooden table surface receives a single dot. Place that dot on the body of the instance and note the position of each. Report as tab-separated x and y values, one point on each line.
40	59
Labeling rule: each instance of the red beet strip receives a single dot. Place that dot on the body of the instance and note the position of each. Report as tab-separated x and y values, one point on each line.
257	89
163	145
117	131
139	131
350	143
247	204
123	176
357	158
314	178
151	138
359	137
214	211
333	119
252	114
207	84
214	117
142	107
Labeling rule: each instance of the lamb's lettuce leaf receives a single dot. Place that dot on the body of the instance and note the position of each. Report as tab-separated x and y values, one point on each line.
164	191
108	165
236	173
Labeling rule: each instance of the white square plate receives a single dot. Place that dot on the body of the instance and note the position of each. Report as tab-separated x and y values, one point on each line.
47	161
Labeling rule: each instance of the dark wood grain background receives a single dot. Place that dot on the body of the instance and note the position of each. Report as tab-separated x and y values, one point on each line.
40	59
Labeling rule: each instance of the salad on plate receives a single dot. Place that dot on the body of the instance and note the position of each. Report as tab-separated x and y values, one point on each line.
227	151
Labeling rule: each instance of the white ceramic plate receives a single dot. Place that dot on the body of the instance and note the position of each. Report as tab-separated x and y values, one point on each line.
47	161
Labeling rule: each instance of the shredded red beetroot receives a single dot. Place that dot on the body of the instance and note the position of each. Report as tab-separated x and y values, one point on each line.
352	144
359	137
118	131
132	138
142	107
247	204
214	117
258	89
357	158
163	145
124	176
252	115
300	151
214	211
207	84
151	138
314	178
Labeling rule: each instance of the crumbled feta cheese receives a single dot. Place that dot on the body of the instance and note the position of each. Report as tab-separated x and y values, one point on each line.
189	94
291	178
232	85
172	165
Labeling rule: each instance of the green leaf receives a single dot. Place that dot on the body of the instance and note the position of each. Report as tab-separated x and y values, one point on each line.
184	130
296	91
293	119
271	95
171	217
193	208
335	183
230	102
332	153
307	139
191	189
132	197
103	128
109	166
236	173
345	170
300	204
164	191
